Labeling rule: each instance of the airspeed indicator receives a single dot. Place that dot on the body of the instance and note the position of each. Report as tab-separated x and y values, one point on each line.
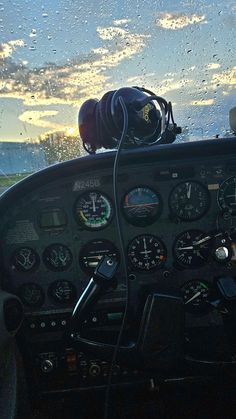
93	210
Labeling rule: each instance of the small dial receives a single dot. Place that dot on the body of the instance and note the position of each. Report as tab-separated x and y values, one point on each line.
142	206
57	257
189	201
146	252
227	195
191	248
195	295
93	251
227	222
62	292
31	295
93	210
25	259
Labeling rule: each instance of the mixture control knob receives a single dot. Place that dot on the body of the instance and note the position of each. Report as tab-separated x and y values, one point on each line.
94	370
47	365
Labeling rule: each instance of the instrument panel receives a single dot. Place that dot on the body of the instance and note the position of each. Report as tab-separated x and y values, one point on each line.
174	217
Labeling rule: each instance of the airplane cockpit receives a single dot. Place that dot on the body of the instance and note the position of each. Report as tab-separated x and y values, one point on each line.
118	267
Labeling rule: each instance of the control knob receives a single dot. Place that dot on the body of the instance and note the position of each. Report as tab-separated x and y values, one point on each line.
221	254
46	365
222	249
94	370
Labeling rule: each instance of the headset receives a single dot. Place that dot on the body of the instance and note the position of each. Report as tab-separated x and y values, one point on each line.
101	121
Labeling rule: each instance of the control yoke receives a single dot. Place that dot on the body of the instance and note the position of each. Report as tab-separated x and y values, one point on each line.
161	334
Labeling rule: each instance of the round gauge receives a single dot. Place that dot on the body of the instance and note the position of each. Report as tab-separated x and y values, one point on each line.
31	295
52	219
191	248
25	259
227	222
91	254
142	206
62	292
189	201
57	257
195	296
146	252
93	210
227	195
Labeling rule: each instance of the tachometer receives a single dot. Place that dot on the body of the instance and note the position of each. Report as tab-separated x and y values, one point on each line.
195	296
146	252
191	248
141	206
93	210
189	201
91	254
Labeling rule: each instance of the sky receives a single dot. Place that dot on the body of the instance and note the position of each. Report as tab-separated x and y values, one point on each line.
56	54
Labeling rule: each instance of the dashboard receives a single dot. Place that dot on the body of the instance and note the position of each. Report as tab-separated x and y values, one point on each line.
177	210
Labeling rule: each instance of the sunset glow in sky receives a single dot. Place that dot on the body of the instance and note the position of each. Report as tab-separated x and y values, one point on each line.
56	54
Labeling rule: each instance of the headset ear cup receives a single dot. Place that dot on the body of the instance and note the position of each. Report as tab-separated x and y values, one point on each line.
87	122
105	124
105	113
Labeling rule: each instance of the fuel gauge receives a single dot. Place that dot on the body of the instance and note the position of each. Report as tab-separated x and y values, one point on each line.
57	257
25	259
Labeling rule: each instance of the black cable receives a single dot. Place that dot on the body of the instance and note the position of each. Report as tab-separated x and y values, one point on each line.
122	250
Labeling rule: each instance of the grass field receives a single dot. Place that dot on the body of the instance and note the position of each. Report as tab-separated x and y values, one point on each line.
7	181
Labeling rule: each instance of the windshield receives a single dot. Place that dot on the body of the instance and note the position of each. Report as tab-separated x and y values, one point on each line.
56	54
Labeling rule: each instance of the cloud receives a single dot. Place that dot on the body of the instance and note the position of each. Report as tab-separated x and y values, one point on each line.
213	66
73	83
225	78
100	51
111	33
7	49
171	84
175	21
37	118
203	102
140	78
119	22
